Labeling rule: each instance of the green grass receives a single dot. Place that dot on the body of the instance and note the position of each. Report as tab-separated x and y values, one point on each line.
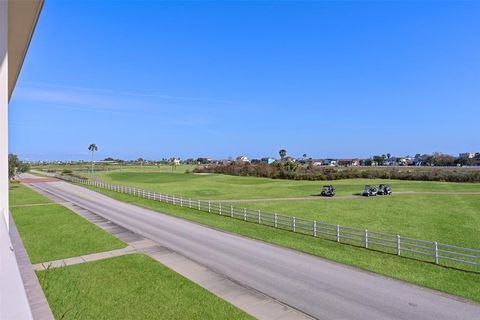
458	282
130	287
448	219
52	232
20	195
232	187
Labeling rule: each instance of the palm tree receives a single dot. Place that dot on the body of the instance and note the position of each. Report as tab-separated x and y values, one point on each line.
282	153
92	148
304	156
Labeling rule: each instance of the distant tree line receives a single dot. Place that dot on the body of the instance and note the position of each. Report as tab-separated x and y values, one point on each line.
289	170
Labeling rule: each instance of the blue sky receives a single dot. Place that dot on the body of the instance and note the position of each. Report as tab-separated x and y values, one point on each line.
220	79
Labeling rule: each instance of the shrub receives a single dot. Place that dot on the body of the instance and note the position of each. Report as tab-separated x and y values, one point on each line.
281	171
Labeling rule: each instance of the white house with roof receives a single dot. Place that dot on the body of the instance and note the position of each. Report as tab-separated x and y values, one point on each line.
242	159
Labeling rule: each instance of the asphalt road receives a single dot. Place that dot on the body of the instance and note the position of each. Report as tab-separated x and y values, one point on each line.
320	288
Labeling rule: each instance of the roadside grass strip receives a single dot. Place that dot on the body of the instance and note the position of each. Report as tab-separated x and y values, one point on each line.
21	195
132	286
53	232
36	204
464	283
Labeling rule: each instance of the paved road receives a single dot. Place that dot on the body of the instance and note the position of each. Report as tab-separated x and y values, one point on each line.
320	288
353	196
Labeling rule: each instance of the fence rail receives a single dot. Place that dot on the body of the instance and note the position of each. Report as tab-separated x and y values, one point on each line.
403	246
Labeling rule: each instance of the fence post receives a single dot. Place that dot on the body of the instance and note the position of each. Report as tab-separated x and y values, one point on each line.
338	233
190	203
275	219
398	245
435	247
366	238
220	208
231	211
181	202
209	206
199	205
314	228
245	214
259	217
294	224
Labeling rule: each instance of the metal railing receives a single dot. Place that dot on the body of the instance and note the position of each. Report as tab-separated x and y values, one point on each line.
402	246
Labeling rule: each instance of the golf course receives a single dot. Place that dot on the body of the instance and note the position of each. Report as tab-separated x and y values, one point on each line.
440	211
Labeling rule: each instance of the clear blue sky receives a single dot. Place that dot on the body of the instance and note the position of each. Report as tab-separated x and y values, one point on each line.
220	79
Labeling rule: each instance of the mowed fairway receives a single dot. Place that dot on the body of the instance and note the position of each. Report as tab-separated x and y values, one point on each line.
222	187
448	219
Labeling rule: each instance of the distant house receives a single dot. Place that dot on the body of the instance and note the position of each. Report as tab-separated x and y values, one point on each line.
468	155
242	159
406	161
475	161
392	161
329	162
348	162
267	160
317	162
176	162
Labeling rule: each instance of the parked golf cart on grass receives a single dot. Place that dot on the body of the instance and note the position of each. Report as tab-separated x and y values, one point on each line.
328	191
370	191
384	190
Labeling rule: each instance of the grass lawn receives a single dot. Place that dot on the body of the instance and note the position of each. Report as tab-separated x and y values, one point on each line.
448	219
232	187
51	232
459	282
130	287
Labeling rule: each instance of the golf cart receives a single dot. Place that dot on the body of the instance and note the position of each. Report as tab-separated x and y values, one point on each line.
384	189
370	191
328	191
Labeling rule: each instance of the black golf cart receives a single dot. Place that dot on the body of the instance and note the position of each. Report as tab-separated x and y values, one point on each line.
384	190
328	191
370	191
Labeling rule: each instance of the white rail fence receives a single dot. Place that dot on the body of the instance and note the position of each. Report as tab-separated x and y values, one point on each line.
403	246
